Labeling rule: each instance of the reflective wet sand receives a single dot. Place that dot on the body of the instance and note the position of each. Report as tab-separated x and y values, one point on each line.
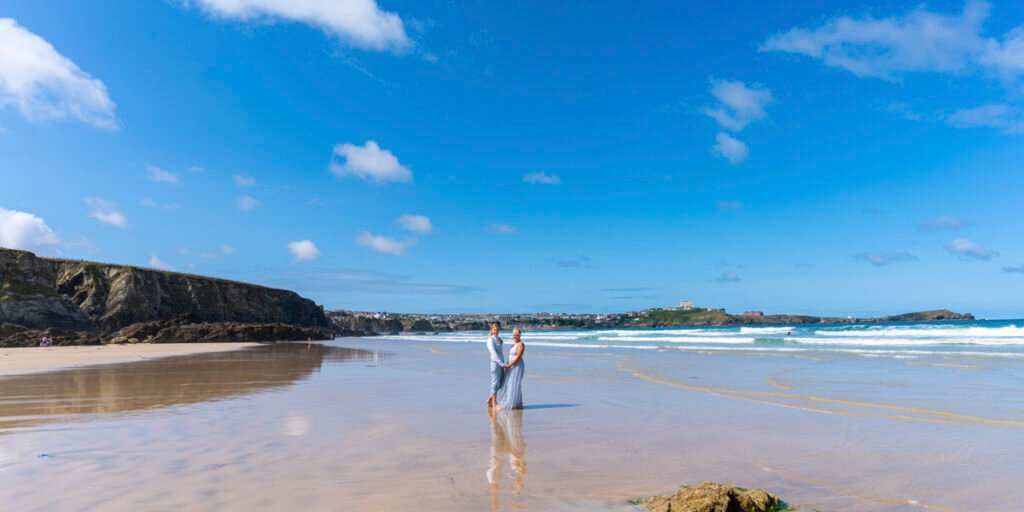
386	425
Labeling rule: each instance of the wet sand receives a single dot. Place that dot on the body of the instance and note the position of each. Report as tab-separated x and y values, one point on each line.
21	360
389	425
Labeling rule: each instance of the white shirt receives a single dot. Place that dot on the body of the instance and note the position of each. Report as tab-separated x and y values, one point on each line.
494	347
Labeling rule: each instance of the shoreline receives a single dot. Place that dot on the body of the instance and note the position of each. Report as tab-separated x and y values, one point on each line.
26	360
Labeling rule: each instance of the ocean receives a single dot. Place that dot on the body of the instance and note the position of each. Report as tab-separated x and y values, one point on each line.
979	338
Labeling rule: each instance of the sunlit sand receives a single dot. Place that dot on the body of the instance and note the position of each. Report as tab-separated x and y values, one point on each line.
365	424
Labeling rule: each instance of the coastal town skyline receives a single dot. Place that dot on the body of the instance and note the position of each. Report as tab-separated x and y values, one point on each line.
480	157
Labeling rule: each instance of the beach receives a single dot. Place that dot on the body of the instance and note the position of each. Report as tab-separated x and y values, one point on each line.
15	361
386	424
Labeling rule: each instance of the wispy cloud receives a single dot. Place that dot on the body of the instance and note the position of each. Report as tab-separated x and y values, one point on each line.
149	203
882	259
368	162
161	176
205	254
358	281
573	262
247	203
359	23
542	178
45	85
502	229
1008	119
106	212
730	148
22	230
941	223
244	180
628	289
303	250
728	205
1014	269
383	244
727	277
917	41
416	223
967	249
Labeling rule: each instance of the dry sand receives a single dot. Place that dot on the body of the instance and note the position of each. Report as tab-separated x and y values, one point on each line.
21	360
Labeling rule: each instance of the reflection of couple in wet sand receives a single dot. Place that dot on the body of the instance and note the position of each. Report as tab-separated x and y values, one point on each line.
506	443
506	375
504	407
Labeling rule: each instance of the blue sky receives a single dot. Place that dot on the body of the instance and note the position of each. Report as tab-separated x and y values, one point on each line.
821	157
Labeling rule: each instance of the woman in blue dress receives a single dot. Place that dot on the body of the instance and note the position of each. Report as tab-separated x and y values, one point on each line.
510	396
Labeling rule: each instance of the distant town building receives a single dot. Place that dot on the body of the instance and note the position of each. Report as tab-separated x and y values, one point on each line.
686	305
720	310
753	313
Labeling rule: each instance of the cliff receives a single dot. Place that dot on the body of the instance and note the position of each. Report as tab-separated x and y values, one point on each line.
94	300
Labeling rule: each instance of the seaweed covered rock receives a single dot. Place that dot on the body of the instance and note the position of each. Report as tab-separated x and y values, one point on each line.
712	497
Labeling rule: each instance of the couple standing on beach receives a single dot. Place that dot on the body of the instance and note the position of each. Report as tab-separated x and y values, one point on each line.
506	378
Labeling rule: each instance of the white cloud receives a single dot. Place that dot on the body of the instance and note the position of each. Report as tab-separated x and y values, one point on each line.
21	230
360	23
417	223
732	149
159	175
382	243
147	202
738	105
368	162
542	178
247	203
244	180
303	250
106	212
882	259
43	84
503	229
159	264
967	250
917	41
942	222
227	249
1002	117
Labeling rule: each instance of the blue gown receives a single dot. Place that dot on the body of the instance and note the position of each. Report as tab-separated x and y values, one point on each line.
510	396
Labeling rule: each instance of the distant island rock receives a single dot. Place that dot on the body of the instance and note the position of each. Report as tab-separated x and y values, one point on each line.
79	302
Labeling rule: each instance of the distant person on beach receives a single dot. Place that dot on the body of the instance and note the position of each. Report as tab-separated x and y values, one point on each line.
494	346
510	396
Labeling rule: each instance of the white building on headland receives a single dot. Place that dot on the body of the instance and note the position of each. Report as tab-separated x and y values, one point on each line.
685	305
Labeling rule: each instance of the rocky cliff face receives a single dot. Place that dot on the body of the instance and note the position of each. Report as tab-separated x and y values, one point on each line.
43	293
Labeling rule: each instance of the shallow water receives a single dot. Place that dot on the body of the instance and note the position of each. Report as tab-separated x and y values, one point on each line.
977	338
375	424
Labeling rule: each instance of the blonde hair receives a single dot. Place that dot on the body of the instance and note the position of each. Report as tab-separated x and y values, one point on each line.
517	331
